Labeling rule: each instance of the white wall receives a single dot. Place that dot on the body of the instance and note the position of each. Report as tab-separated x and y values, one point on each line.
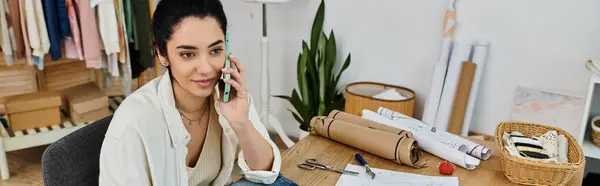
536	43
540	43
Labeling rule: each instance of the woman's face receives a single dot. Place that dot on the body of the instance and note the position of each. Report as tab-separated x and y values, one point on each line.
196	55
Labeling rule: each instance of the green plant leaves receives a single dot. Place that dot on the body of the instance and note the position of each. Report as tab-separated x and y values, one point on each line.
331	55
317	83
344	67
301	75
299	119
317	27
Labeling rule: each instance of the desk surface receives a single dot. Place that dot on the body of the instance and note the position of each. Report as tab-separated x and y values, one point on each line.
339	155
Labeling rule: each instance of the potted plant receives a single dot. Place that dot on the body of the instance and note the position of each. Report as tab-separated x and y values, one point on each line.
317	93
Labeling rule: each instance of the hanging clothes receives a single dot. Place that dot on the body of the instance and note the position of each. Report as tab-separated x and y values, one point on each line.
126	62
75	39
107	22
63	18
122	57
53	24
14	20
24	32
65	30
37	31
5	42
89	34
11	34
129	21
144	57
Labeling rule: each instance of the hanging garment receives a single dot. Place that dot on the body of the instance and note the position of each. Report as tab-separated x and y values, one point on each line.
126	66
37	31
63	18
5	36
65	30
15	22
121	28
107	22
129	21
75	33
144	57
24	32
89	34
11	34
53	26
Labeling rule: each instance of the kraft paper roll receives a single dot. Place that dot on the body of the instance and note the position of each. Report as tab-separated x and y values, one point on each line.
400	149
461	98
354	119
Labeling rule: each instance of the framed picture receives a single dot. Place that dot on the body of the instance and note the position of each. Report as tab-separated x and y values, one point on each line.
548	108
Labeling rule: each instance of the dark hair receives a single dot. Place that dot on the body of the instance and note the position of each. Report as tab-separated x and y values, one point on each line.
169	13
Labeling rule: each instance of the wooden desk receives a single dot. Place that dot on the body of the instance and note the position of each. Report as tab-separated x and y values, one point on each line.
489	172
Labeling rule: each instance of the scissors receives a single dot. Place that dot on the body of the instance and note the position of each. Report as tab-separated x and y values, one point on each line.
312	163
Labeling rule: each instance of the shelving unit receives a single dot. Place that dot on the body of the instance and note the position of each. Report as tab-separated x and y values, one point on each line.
22	78
592	108
17	140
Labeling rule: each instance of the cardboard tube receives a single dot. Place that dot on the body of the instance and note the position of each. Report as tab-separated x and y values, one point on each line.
354	119
400	149
461	98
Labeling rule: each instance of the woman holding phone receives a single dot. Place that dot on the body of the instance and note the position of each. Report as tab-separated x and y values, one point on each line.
176	129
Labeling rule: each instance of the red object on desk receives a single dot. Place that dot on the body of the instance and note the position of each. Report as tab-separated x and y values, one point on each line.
446	168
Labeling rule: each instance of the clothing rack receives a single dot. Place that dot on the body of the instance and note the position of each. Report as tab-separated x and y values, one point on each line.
147	72
58	74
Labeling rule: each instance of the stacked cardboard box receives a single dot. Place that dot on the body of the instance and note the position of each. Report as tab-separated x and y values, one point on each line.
85	103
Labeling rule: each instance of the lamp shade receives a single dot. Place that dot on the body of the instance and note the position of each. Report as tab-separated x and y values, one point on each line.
267	1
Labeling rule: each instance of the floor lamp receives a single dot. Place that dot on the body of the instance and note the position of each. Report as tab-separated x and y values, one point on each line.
265	94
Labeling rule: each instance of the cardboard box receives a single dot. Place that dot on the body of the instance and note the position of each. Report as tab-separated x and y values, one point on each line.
33	110
85	103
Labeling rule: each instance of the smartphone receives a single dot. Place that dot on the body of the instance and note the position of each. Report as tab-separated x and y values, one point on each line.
227	89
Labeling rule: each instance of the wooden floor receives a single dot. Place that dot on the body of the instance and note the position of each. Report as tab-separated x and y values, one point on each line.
26	165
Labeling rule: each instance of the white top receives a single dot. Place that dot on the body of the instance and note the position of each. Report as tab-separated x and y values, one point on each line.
36	28
5	41
209	163
146	142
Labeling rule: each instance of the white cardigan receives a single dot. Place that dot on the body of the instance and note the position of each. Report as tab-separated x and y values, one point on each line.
146	142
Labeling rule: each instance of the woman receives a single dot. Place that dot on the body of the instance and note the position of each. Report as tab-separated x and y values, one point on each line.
175	130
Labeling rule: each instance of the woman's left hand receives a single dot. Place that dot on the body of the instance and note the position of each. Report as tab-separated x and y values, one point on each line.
236	110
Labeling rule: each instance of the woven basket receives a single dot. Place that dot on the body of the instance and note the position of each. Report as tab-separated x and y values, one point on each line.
596	131
359	97
530	172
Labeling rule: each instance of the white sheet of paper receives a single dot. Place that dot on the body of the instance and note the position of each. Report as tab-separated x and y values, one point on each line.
387	177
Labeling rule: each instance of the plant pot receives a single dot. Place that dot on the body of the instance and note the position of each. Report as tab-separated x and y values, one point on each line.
302	134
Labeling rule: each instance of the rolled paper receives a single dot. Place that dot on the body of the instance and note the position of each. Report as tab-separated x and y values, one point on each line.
398	148
429	143
419	128
354	119
563	147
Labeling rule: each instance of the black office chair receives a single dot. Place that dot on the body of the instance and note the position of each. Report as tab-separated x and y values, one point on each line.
74	159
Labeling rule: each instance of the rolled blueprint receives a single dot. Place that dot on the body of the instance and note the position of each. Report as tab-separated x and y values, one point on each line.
400	149
439	71
479	58
460	54
354	119
429	143
419	128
